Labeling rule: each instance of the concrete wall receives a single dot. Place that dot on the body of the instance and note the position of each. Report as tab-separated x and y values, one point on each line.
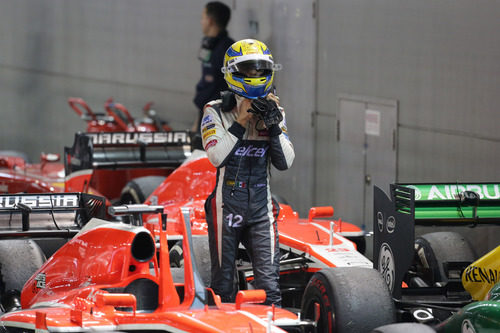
133	51
136	52
437	59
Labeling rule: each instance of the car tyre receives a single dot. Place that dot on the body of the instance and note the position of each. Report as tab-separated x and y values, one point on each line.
139	189
201	254
19	260
351	299
434	249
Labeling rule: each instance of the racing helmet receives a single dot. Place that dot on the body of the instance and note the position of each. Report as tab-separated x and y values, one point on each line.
249	68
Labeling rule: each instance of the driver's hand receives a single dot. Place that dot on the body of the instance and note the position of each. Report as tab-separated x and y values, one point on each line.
274	98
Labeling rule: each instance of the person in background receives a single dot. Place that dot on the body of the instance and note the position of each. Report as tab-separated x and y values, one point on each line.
214	20
244	133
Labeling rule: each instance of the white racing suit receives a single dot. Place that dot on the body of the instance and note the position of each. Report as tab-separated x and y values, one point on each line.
240	208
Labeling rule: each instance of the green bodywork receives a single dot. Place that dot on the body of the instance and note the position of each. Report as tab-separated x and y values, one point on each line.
442	202
477	317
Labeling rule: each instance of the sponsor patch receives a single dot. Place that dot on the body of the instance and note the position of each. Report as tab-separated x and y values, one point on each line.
233	87
209	133
206	128
251	151
481	275
206	120
236	183
40	280
210	143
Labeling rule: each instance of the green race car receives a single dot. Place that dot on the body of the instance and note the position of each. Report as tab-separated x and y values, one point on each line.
481	279
435	278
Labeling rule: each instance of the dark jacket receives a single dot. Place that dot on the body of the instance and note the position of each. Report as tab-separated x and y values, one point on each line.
212	79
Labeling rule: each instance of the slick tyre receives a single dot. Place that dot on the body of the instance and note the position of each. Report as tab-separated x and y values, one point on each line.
202	258
202	255
139	189
404	328
432	250
19	260
351	299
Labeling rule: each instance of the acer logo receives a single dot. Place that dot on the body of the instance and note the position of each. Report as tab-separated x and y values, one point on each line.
251	151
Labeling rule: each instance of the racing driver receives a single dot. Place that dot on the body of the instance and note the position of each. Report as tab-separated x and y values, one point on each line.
243	133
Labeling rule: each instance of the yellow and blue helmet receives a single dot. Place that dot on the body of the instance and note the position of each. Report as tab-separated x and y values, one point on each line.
249	68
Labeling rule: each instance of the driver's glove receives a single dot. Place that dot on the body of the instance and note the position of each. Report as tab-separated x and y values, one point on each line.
267	110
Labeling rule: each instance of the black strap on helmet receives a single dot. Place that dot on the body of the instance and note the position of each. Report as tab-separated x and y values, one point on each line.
228	101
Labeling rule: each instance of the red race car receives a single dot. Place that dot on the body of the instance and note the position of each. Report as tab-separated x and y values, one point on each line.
117	277
319	260
124	167
117	118
17	175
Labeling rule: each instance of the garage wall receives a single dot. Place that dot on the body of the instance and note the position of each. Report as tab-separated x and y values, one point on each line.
129	50
438	60
136	52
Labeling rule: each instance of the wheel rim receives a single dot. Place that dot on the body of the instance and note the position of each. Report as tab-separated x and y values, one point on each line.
324	325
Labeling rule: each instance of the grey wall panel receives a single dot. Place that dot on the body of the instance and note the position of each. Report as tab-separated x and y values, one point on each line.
40	120
293	38
438	59
133	51
140	51
326	153
440	56
442	157
143	43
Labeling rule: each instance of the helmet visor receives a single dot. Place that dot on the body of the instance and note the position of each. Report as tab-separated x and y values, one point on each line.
252	68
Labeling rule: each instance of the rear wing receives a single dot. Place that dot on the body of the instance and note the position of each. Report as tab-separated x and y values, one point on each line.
395	218
112	150
455	204
27	214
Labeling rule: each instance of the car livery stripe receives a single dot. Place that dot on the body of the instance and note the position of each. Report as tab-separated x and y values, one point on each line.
219	215
142	327
78	173
351	233
23	327
343	241
260	320
329	256
270	217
